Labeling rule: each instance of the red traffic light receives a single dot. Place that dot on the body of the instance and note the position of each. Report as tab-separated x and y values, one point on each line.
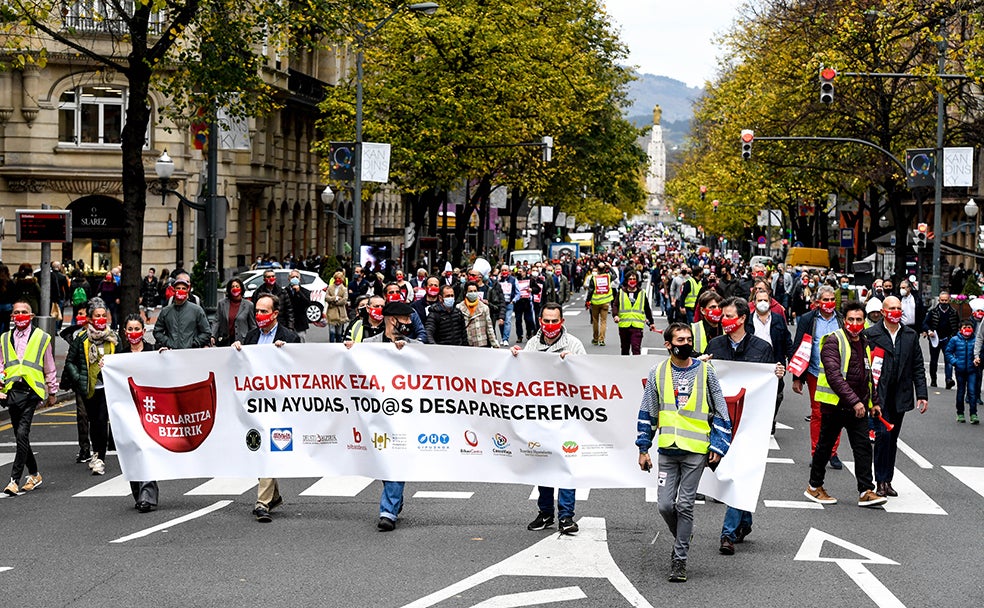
715	202
703	189
828	74
923	227
747	136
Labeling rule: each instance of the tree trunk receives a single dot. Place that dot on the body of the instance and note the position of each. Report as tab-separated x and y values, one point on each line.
515	204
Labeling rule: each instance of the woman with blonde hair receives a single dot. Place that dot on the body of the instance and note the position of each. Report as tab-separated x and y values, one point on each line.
336	313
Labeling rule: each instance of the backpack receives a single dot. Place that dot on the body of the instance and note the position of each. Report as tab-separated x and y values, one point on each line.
79	296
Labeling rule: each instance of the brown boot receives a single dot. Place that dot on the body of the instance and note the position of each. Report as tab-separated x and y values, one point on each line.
880	488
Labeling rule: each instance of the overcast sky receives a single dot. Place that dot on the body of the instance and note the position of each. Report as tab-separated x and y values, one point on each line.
673	37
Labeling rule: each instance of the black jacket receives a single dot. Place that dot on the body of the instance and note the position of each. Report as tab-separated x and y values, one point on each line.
284	334
446	327
750	350
299	302
945	325
782	342
903	376
286	309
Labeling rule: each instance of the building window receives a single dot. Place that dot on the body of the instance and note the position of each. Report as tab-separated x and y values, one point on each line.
104	17
92	116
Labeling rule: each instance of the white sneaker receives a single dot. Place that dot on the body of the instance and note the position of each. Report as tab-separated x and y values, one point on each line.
98	466
92	461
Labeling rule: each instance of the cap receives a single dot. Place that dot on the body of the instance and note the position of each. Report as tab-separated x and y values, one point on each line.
873	305
397	309
977	304
181	280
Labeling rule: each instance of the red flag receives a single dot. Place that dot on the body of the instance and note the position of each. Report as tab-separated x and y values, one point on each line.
178	418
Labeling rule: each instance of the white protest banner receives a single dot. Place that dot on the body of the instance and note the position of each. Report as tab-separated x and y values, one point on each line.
375	162
423	413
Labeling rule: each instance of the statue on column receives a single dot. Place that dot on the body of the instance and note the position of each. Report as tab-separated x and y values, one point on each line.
657	114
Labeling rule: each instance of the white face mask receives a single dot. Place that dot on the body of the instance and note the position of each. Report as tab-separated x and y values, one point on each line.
762	306
903	292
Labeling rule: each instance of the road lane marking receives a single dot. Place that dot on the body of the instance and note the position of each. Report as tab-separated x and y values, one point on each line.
573	313
533	598
782	426
773	444
6	458
223	486
457	495
117	486
42	444
972	477
5	568
855	568
911	499
585	555
792	504
779	461
580	495
174	522
341	485
914	456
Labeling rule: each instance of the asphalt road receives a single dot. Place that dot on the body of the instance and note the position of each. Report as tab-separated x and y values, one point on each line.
77	541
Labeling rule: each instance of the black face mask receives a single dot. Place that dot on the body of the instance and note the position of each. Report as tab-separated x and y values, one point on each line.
682	351
404	329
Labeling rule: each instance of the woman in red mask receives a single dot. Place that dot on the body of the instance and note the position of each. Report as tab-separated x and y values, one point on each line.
233	316
83	371
336	313
145	493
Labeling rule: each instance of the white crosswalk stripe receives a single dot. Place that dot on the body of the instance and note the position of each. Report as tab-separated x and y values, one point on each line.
6	458
115	486
344	485
911	499
972	477
580	495
223	486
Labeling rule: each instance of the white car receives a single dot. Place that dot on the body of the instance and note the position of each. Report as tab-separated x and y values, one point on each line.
315	312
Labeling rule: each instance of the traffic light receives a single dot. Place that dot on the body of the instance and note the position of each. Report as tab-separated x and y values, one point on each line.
921	237
715	202
703	193
827	76
747	137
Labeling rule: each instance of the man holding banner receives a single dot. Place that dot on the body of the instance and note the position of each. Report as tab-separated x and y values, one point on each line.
268	331
553	338
684	398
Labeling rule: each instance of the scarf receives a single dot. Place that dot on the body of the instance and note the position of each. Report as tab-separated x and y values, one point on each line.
472	308
97	338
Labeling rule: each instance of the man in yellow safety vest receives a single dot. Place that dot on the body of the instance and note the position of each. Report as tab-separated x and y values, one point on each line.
631	311
601	293
29	379
684	402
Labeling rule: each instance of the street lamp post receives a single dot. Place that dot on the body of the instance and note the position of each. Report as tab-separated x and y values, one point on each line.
971	209
164	167
423	8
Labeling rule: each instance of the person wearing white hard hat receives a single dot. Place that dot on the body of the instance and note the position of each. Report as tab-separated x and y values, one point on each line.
872	312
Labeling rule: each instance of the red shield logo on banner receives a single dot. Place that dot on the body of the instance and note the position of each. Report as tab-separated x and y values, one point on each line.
178	418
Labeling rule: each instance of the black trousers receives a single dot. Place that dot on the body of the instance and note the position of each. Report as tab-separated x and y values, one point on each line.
98	413
82	422
21	406
145	491
833	418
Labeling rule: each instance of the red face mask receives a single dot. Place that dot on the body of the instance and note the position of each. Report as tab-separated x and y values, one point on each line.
396	296
854	329
714	316
81	320
758	275
967	332
433	291
236	292
399	277
730	325
180	295
134	337
376	313
263	320
632	283
893	316
338	281
551	329
978	314
271	280
22	321
828	307
504	274
100	323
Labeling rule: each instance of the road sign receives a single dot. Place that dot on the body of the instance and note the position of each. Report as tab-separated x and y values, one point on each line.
847	238
43	226
891	240
761	240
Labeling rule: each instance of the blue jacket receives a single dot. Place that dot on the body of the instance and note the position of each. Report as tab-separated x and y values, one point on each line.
960	353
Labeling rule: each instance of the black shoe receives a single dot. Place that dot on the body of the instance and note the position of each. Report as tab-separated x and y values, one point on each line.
542	522
889	490
567	525
678	571
386	525
949	384
835	463
262	514
84	456
727	547
741	533
276	502
144	507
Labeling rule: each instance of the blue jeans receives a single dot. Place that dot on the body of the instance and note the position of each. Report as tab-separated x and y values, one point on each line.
734	520
507	324
565	501
966	382
391	501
